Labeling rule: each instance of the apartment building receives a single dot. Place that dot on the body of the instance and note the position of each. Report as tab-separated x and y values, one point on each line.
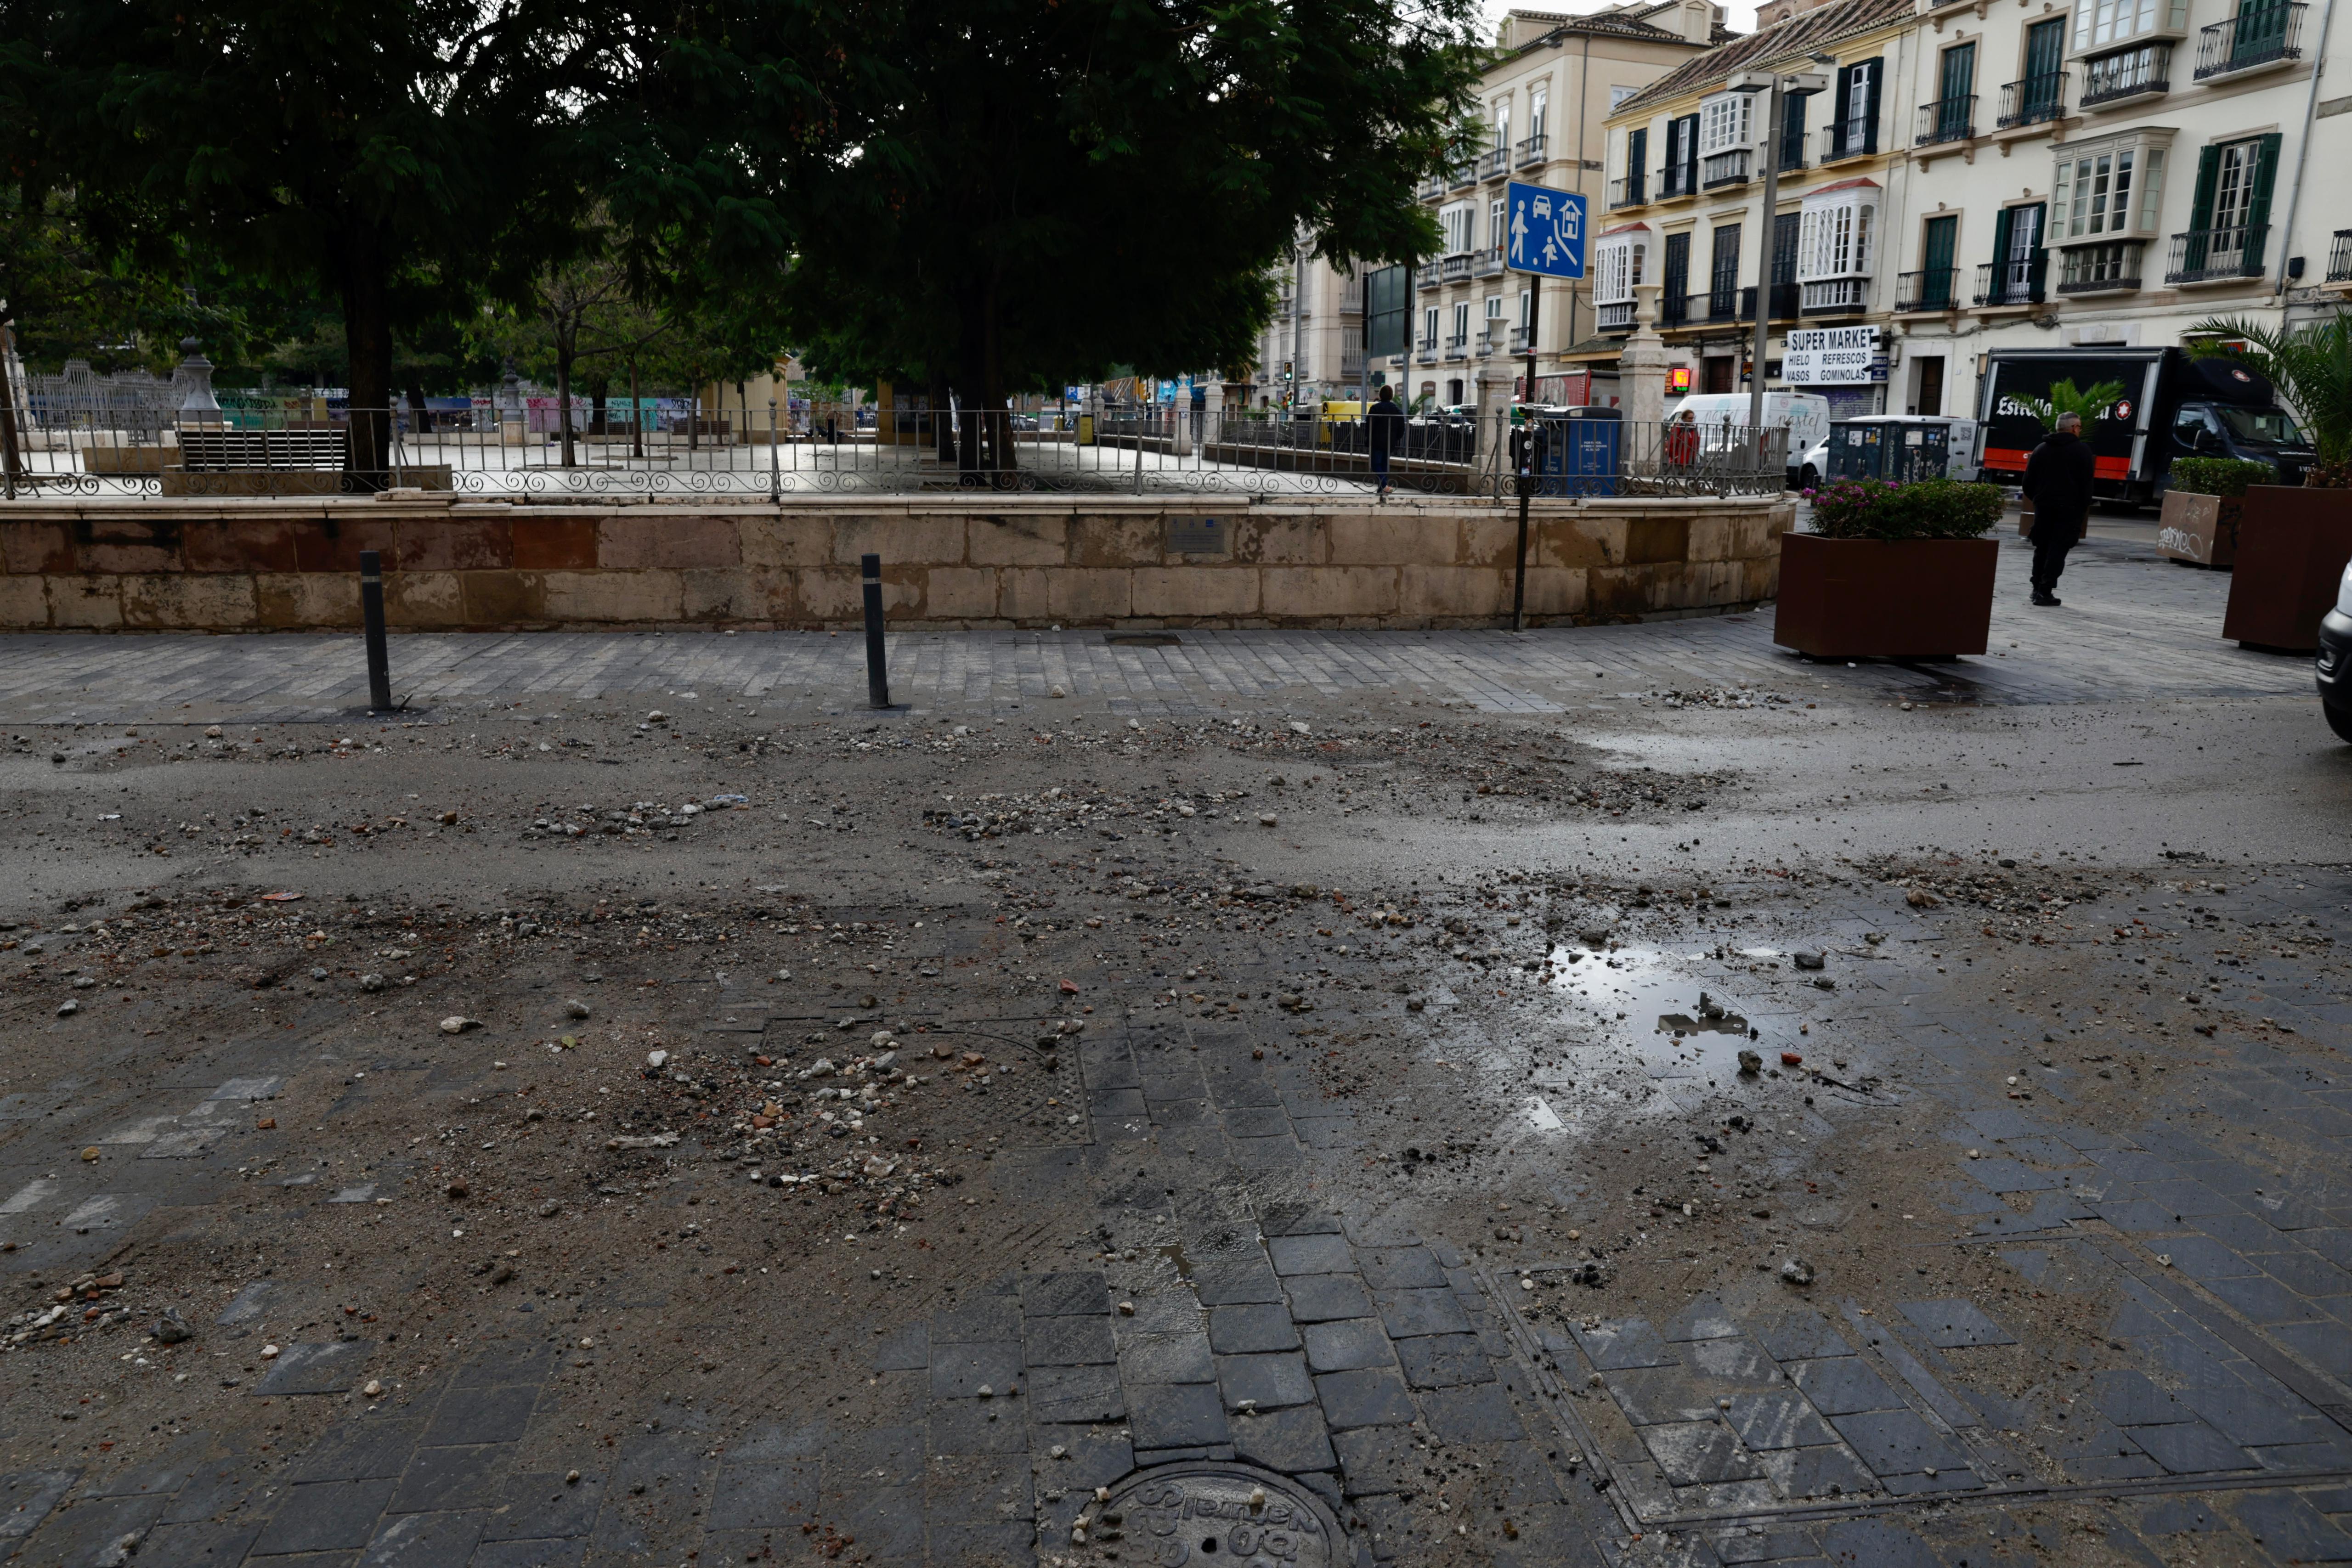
1543	105
1978	174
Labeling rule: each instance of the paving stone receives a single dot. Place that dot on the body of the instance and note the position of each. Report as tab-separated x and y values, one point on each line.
1616	1346
960	1369
1831	1470
424	1540
1228	1283
1781	1419
906	1349
1372	1397
1243	1330
451	1478
1952	1323
503	1362
1322	1254
329	1367
1418	1311
982	1319
2191	1448
1799	1335
1298	1219
1696	1452
2289	1529
2266	1301
326	1516
2306	1274
1400	1268
1073	1293
1897	1442
531	1553
1878	1542
2327	1346
207	1545
1290	1440
886	1523
2128	1399
1471	1414
1445	1361
1175	1415
1736	1360
366	1448
1069	1341
1703	1319
1377	1460
1652	1396
1168	1358
1841	1386
1318	1298
877	1457
1271	1380
1075	1394
541	1504
1347	1344
482	1415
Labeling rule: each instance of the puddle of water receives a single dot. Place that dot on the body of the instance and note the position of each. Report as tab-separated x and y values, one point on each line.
1645	997
1546	1119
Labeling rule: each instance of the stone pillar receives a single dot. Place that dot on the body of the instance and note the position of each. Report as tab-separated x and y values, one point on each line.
1495	392
1642	368
1213	412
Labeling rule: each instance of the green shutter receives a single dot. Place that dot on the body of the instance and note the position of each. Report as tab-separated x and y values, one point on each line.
1842	91
1690	155
2258	206
1998	294
1637	154
1792	129
1870	131
2200	211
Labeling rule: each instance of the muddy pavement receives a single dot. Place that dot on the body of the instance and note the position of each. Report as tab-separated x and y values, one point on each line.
1710	1124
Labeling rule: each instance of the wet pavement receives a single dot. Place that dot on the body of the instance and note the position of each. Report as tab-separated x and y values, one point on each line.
1337	1099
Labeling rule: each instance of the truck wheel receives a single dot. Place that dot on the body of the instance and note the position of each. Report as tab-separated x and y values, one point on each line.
2339	719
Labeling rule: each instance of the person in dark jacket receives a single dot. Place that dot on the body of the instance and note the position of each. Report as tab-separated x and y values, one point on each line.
1386	429
2058	483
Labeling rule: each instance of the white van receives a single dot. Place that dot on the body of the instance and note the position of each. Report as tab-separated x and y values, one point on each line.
1806	415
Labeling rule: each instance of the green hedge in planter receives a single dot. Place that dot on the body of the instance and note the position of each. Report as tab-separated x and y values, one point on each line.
1926	509
2218	476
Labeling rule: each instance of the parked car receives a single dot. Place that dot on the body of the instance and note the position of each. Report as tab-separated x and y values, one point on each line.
1813	464
2334	664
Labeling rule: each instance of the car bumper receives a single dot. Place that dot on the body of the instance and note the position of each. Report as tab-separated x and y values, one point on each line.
2334	665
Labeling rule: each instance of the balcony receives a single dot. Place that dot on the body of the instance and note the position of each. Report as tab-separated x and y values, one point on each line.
2109	269
1723	169
1488	263
1617	316
1792	154
2142	72
2263	33
1464	173
1519	340
1433	188
1457	346
1429	276
1427	349
1454	268
1629	191
2217	256
1947	119
1783	302
2016	281
2339	258
1677	180
2036	100
1674	309
1848	139
1834	297
1934	288
1531	149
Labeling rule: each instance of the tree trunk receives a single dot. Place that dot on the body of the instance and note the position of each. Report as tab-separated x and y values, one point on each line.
941	415
636	414
365	271
12	462
418	419
988	456
566	348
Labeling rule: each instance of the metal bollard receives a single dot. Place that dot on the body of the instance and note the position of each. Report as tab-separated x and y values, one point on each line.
877	666
372	611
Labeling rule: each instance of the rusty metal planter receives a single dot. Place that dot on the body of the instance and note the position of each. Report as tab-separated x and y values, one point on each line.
2293	543
2199	530
1893	599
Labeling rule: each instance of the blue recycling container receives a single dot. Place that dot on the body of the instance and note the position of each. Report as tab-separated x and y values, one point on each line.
1583	451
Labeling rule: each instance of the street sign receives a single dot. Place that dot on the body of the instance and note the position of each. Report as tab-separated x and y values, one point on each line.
1547	231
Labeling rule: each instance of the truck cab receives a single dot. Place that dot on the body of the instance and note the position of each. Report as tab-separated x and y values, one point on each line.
2254	435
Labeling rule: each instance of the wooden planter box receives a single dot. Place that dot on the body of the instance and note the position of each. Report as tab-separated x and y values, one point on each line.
2293	543
1891	598
2201	530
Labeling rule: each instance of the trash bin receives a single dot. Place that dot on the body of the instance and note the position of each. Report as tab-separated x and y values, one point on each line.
1582	457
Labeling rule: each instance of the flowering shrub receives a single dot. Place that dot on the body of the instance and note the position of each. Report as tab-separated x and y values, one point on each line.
1926	509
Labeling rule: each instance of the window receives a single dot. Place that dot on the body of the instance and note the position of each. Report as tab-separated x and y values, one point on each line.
2107	188
2229	220
1497	224
2100	22
1617	95
1723	122
1617	259
1539	101
1501	115
1527	303
1835	237
1680	177
1429	329
2233	188
1453	222
1461	327
1494	308
1723	274
1675	306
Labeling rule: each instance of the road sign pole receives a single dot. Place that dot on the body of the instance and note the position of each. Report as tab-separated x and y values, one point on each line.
1525	462
1764	260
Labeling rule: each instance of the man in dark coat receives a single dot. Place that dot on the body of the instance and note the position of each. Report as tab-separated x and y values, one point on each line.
1385	433
2058	483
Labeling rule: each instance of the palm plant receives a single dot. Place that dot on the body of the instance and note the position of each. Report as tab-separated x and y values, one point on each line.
2311	368
2087	403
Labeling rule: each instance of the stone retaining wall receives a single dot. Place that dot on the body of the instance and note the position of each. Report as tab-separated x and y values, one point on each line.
238	564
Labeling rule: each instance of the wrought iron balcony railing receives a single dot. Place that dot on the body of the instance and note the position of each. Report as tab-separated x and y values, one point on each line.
2204	256
2264	32
1947	119
2035	100
2015	281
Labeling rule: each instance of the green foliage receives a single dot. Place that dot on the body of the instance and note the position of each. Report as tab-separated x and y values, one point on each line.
2089	404
2311	368
1924	510
2218	476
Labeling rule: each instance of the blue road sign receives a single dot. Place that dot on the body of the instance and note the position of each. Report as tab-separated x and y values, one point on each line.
1547	231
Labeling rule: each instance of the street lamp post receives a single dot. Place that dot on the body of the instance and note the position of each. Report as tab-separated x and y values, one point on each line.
1776	87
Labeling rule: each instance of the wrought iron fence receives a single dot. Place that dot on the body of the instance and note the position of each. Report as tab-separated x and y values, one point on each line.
2262	33
2031	100
1951	118
2339	257
1137	449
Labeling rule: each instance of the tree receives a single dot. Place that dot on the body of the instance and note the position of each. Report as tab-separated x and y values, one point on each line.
1009	192
399	158
2311	368
2088	405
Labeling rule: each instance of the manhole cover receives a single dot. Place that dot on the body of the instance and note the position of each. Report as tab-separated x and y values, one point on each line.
1213	1514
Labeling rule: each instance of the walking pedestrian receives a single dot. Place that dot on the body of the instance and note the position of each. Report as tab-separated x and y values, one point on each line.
2058	483
1385	429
